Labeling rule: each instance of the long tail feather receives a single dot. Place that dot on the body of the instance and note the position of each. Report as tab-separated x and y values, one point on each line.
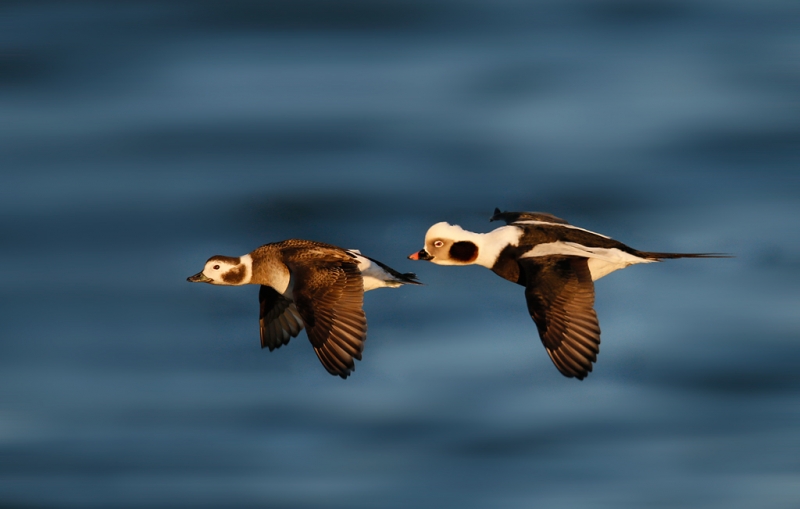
665	256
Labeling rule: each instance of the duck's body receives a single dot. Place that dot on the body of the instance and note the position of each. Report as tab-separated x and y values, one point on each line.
313	285
556	263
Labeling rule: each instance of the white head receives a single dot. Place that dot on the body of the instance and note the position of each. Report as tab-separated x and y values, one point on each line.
225	270
447	244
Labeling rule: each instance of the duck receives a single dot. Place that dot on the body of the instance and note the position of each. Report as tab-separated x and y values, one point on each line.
311	285
557	263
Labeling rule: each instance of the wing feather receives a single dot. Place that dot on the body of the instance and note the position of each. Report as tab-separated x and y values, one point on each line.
560	296
329	295
278	319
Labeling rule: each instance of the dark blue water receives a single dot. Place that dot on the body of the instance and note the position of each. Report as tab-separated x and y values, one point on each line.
137	139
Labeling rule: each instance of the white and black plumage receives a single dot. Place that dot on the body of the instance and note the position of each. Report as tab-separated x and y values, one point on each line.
313	285
556	263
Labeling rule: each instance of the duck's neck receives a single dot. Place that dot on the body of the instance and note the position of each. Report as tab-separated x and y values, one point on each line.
267	270
491	244
247	262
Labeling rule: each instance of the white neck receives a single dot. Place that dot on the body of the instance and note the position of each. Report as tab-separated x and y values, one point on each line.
491	244
247	261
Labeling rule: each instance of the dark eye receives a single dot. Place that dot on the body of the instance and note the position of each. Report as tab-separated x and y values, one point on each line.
438	243
216	267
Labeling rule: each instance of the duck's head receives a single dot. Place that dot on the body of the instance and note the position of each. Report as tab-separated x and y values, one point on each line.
447	244
224	270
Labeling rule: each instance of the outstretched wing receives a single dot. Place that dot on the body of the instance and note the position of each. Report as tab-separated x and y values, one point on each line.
329	296
279	319
513	217
560	296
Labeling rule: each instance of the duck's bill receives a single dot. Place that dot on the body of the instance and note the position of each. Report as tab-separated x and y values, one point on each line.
420	255
198	278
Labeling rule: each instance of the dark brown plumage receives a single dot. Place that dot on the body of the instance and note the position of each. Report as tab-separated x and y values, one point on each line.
560	297
311	285
557	263
329	296
328	293
511	217
278	319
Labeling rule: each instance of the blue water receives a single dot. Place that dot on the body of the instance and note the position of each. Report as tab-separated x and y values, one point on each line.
137	139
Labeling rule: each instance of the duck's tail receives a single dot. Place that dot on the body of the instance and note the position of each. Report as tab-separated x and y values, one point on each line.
668	256
403	278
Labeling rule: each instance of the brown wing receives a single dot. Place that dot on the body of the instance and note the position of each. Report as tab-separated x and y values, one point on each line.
329	295
560	297
279	320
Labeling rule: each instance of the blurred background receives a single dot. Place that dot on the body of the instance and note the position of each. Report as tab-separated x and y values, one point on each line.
139	138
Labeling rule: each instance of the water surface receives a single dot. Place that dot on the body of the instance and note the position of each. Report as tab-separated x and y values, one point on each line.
138	139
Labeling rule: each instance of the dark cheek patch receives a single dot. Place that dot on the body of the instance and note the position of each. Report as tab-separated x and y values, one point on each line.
235	275
464	251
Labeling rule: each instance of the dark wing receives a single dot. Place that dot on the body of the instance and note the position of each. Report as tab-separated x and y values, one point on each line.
560	296
513	217
329	295
279	320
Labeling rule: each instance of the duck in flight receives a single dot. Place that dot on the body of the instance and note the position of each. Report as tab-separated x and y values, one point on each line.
311	285
557	263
